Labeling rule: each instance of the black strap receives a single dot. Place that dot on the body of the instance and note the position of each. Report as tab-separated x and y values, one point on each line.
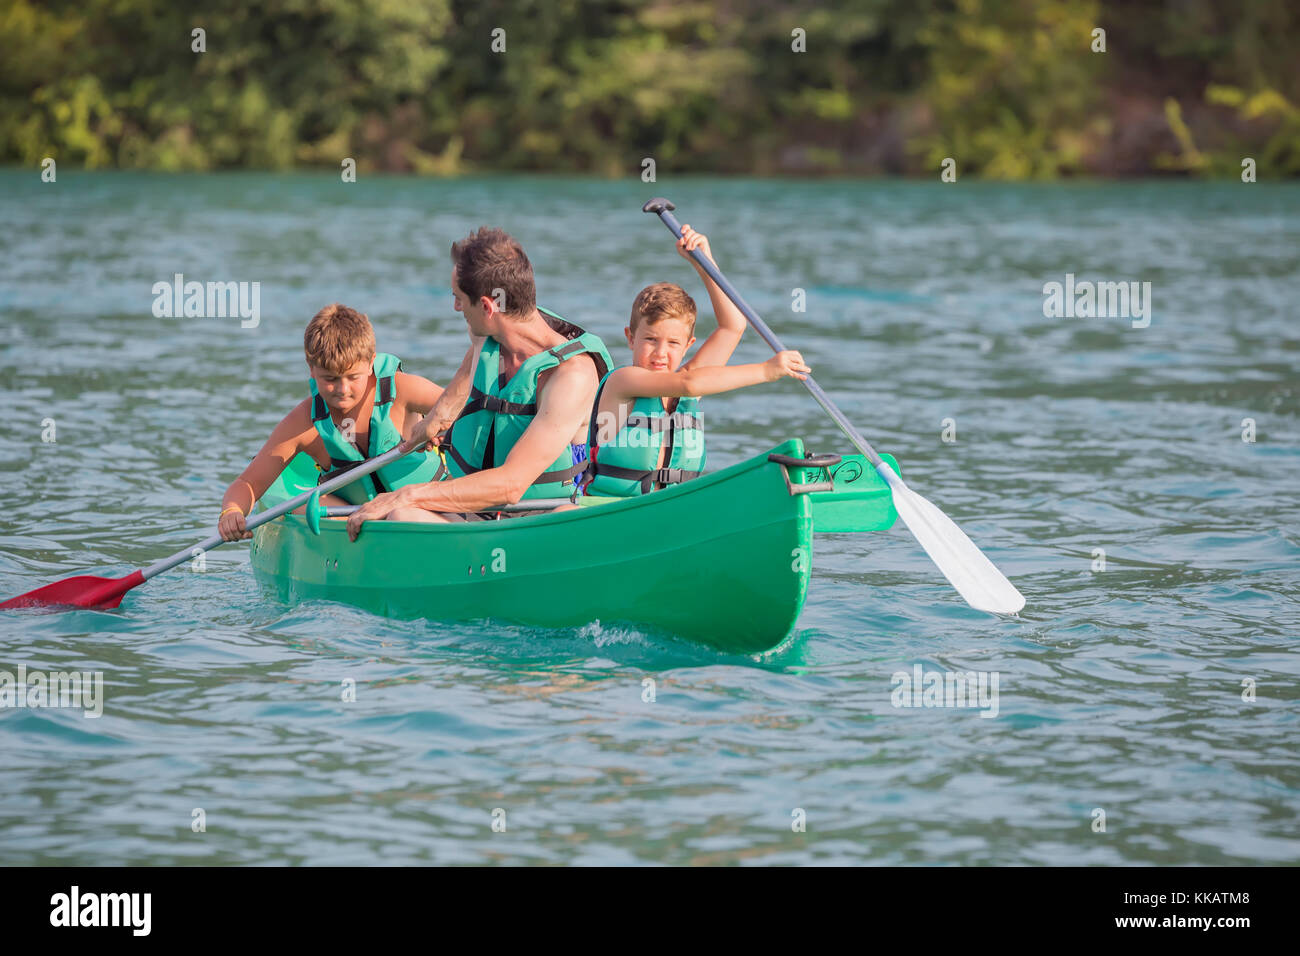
338	468
662	476
593	421
479	401
490	446
565	350
572	332
500	406
341	466
631	474
659	423
562	475
456	456
674	476
319	410
667	446
386	389
668	423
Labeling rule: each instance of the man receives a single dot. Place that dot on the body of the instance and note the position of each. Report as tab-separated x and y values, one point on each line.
523	395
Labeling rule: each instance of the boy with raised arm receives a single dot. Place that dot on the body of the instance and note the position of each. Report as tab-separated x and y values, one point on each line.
645	428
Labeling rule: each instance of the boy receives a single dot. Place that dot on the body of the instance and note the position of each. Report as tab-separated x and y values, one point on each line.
645	431
360	406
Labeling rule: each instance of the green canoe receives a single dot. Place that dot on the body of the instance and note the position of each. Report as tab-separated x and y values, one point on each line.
723	560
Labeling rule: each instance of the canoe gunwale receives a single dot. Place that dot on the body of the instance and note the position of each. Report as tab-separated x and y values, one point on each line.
603	509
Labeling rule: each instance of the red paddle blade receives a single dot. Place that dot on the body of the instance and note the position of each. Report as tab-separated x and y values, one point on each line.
82	591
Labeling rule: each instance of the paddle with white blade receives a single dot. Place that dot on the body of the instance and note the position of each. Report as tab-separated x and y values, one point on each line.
965	566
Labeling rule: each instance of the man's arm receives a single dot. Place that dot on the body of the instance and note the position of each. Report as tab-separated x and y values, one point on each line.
564	404
449	402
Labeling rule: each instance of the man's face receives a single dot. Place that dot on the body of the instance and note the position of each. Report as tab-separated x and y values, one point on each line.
476	315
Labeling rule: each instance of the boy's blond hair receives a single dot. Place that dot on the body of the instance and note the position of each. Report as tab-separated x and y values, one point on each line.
337	338
663	300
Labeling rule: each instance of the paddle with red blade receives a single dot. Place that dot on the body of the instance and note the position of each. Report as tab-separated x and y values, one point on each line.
89	591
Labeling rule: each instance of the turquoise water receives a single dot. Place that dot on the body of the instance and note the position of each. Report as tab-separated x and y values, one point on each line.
1120	689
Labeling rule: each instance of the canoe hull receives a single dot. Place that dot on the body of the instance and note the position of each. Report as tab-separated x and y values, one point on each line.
723	560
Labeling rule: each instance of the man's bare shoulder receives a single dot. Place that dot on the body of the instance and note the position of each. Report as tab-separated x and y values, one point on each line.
573	374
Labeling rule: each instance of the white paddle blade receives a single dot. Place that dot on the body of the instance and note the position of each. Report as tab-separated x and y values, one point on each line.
966	567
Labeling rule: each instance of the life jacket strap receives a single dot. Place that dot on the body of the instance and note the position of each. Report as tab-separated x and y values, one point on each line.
562	475
674	476
662	423
458	458
341	467
648	479
480	401
569	349
385	393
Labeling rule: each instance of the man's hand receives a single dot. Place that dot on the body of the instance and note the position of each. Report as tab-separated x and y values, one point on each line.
447	408
435	426
376	509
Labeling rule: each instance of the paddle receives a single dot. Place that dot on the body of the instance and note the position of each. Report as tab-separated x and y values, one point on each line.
965	566
90	591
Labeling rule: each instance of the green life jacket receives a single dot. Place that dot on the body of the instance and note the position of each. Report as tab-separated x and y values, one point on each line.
628	464
497	412
411	469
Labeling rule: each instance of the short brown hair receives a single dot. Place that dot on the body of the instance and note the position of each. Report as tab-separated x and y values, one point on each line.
663	300
492	259
337	338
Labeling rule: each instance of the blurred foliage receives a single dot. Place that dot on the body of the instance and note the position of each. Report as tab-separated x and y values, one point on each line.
1011	89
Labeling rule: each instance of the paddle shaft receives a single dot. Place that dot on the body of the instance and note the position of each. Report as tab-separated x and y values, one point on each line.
207	544
768	335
